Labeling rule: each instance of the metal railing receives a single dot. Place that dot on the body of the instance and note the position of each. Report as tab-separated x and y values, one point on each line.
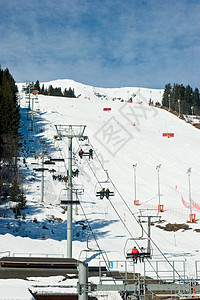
3	253
156	270
38	255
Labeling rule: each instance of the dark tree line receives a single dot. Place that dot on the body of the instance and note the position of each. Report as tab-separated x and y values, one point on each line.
9	116
9	138
54	91
184	98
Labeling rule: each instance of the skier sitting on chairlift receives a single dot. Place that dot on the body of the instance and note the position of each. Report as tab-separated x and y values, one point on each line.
107	193
141	258
81	153
90	154
102	193
76	172
135	256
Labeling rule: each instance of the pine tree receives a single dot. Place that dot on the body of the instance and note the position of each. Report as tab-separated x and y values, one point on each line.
188	98
9	128
166	95
196	101
37	86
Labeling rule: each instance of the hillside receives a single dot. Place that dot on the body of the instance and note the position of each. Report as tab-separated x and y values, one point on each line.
129	133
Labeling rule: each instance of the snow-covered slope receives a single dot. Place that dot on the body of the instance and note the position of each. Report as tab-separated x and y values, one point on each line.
129	133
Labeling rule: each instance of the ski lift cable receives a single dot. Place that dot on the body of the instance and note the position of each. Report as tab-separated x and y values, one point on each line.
123	221
108	178
99	182
132	215
106	260
61	154
147	233
117	211
91	227
108	199
125	225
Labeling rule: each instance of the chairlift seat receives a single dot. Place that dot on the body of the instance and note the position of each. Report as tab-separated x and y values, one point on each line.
57	159
58	138
86	154
82	138
48	162
52	170
139	255
40	169
66	202
104	194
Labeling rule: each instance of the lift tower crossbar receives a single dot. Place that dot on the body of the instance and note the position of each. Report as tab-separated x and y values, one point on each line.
70	131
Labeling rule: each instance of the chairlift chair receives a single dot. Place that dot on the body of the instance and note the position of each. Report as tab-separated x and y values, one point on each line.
63	198
104	188
143	251
86	151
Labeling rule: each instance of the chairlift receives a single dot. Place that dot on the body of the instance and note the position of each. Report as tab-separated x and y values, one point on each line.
78	189
144	252
56	159
86	143
63	198
58	137
75	171
82	138
104	188
49	162
88	152
91	250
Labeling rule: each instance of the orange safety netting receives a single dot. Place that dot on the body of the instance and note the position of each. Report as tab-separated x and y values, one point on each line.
187	204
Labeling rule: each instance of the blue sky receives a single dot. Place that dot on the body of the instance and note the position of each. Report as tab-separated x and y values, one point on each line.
105	43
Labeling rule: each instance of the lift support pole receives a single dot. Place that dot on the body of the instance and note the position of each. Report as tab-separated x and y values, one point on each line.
69	198
70	131
83	281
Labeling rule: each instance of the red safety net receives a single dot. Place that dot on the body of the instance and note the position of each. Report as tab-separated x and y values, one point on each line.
186	204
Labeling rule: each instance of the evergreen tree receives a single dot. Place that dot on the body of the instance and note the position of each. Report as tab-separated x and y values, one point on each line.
37	86
9	127
196	101
55	91
188	98
166	95
51	90
42	90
